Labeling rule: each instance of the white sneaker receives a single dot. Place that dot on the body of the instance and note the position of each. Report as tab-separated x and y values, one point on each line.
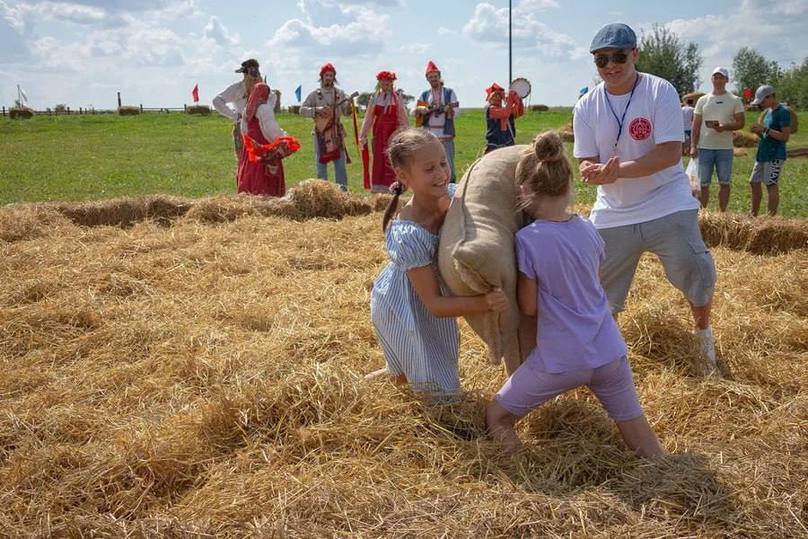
707	347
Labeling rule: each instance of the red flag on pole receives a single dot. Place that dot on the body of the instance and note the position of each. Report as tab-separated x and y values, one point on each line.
195	93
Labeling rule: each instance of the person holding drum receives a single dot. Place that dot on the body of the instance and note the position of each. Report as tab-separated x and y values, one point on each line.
436	110
500	117
326	105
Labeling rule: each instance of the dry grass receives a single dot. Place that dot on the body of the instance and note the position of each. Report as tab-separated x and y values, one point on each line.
205	379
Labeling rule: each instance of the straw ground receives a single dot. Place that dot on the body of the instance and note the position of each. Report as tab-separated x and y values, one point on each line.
202	375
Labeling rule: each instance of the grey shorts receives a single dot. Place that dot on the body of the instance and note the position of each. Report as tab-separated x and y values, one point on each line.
767	172
676	240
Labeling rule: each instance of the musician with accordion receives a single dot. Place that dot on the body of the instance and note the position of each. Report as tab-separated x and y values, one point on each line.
436	110
326	105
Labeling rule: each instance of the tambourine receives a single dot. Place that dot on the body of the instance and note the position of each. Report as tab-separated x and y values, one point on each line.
521	86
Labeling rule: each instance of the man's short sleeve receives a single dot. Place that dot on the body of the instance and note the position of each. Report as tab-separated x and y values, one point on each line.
738	106
585	145
668	121
700	105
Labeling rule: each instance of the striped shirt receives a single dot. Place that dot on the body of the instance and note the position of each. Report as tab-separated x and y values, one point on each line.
417	344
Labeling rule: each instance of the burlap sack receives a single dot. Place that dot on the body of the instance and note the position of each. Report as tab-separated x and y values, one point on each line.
476	252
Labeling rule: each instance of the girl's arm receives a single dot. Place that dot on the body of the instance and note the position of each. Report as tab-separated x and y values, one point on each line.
527	293
425	282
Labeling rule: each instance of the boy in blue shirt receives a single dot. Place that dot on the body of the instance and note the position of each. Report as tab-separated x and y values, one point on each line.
771	152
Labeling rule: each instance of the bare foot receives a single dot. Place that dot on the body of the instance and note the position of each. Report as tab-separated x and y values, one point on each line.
376	374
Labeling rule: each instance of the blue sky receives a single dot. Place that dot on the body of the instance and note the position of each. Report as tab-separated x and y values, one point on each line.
81	52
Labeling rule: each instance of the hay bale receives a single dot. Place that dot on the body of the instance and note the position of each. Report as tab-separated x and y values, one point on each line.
797	152
21	114
740	152
319	198
198	109
741	139
30	221
761	236
539	108
294	109
128	110
124	212
567	134
695	96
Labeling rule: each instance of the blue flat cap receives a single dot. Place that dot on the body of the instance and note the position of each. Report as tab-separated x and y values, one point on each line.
615	35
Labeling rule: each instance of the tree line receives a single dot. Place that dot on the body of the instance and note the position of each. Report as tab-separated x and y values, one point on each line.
664	54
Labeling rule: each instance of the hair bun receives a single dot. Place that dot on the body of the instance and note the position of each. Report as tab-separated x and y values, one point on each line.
549	146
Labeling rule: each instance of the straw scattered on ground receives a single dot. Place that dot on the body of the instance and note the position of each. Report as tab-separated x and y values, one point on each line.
206	379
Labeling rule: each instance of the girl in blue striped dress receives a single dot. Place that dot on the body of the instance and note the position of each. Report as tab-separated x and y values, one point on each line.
414	321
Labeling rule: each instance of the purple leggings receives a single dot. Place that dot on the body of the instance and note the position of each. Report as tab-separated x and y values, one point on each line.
612	384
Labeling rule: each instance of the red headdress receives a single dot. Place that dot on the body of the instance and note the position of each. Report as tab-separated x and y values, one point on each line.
385	75
258	96
493	89
327	67
431	67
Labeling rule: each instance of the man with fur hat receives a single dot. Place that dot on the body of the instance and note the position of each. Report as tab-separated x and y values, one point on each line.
327	104
236	95
436	110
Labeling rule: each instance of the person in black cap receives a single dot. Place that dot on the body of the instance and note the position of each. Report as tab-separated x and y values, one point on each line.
628	138
231	102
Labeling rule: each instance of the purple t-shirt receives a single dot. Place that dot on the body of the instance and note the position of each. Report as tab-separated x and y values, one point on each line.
576	330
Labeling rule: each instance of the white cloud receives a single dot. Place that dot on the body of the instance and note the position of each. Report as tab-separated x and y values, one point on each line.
415	48
489	25
217	32
359	31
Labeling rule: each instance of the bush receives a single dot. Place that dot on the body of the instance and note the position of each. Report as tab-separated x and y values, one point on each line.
294	109
128	110
198	109
61	107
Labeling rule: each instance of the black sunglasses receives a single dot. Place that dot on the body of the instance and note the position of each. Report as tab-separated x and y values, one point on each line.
602	60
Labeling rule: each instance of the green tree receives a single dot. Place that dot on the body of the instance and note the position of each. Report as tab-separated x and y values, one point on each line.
363	99
663	54
792	86
752	69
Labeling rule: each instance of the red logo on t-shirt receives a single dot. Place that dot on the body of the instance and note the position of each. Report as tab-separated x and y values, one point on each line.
640	129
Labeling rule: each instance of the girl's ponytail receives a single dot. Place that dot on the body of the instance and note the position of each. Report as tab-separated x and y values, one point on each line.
392	207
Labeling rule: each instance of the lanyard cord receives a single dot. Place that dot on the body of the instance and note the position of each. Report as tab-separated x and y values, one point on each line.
625	110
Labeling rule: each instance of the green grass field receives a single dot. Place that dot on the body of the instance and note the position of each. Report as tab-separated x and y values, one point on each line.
103	156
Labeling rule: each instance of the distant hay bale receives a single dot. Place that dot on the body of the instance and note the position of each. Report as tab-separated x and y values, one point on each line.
567	134
21	114
539	108
741	139
695	96
128	110
294	109
761	236
797	152
739	152
199	109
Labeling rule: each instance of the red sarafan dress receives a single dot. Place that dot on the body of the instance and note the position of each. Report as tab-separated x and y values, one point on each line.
385	115
265	145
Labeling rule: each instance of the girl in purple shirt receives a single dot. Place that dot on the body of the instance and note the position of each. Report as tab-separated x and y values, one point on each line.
578	343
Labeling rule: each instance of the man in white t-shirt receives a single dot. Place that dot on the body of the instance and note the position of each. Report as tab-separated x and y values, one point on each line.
716	116
687	118
628	139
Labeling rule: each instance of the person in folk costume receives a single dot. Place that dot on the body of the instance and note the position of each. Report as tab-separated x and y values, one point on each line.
328	133
436	111
386	113
500	117
264	176
230	103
